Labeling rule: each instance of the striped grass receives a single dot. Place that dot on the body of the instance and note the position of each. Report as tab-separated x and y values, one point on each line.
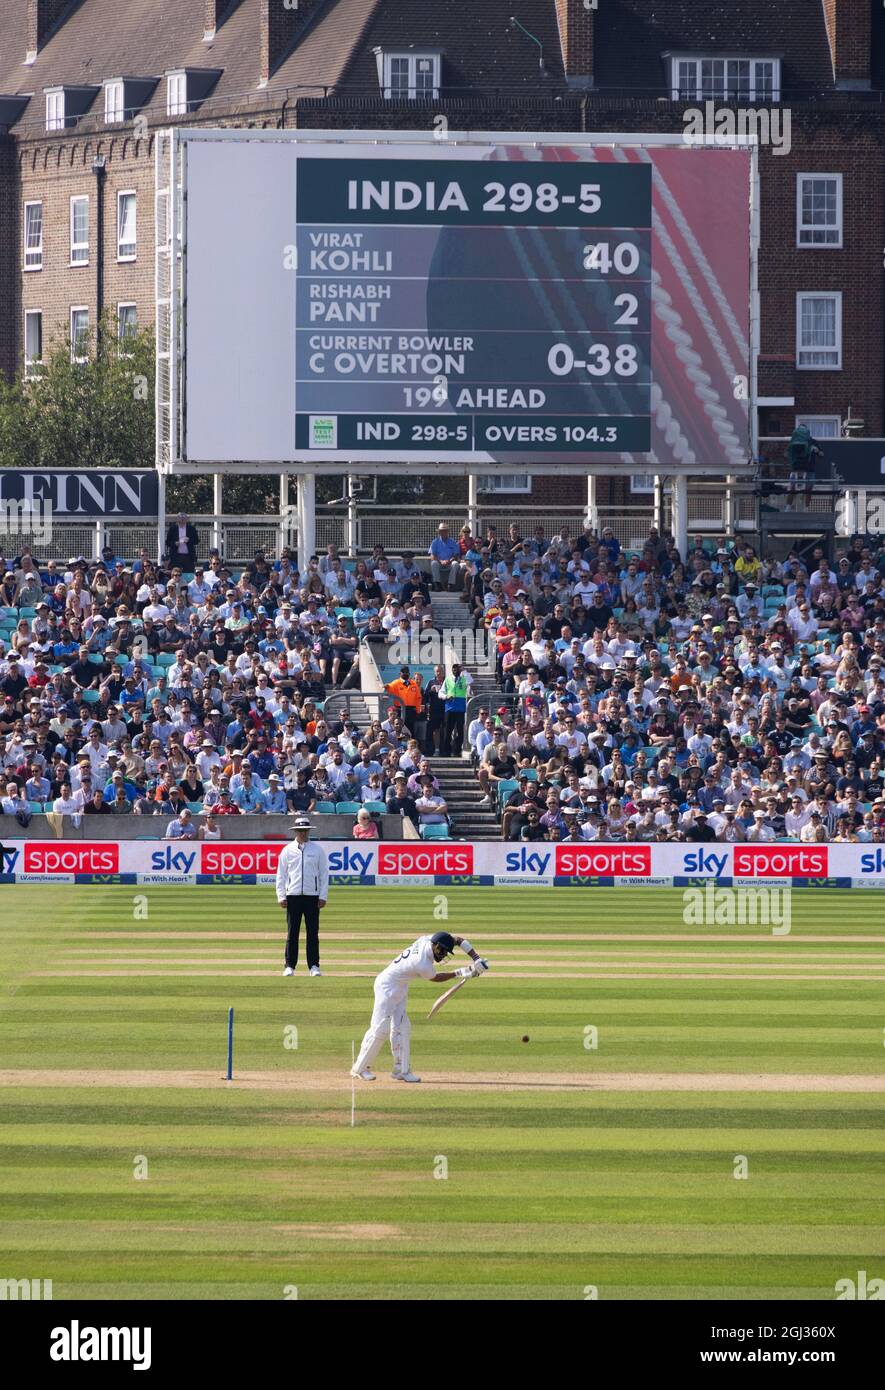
255	1190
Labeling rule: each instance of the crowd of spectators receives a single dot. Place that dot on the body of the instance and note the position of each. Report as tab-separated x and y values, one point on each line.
137	688
654	697
645	695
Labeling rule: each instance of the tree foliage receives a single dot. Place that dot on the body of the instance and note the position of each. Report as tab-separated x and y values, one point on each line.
98	413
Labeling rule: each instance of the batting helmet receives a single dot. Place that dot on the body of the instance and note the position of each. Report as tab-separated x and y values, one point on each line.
442	938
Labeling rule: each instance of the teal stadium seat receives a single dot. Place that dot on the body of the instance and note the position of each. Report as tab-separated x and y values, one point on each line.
348	808
435	832
325	808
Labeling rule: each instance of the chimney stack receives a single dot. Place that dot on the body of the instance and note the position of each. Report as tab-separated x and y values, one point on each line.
42	14
280	24
848	30
575	20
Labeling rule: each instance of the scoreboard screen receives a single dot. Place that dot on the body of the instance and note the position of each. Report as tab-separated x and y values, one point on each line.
463	301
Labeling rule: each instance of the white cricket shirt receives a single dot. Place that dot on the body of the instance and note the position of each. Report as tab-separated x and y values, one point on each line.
414	963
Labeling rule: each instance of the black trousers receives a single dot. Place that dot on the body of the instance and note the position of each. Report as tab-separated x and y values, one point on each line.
299	905
453	734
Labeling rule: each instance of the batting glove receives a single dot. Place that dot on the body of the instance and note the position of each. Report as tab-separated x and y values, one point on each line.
480	967
466	972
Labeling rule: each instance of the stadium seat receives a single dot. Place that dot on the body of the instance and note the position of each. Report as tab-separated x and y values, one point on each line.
530	772
90	697
347	808
47	805
122	660
344	612
505	788
36	807
325	808
376	807
165	659
27	613
435	832
97	659
195	807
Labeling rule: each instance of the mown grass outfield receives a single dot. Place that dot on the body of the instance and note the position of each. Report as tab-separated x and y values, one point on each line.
568	1166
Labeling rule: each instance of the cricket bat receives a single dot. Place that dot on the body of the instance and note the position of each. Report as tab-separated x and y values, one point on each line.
448	994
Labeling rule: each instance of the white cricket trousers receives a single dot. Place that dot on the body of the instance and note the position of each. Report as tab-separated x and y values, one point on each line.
389	1019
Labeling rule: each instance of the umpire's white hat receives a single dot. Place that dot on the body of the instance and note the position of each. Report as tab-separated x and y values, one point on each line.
301	823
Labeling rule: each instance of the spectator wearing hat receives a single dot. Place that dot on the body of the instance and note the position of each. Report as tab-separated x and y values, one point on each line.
226	804
274	797
302	891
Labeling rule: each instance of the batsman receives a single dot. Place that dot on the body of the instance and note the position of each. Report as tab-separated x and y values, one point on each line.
389	1017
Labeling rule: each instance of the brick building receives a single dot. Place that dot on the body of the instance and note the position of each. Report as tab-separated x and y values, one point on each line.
84	84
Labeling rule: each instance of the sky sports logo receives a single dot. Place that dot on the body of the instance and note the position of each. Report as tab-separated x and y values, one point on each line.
581	861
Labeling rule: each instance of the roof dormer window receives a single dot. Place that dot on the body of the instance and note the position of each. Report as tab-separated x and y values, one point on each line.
188	88
55	109
407	75
176	94
707	78
65	105
114	102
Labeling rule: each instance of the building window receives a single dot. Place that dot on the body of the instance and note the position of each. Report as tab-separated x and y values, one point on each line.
114	99
80	231
126	226
33	236
79	333
821	426
127	323
33	340
176	94
819	331
642	484
411	76
725	79
55	110
505	482
819	209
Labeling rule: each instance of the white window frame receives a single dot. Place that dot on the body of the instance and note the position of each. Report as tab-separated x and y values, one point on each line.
696	61
121	338
78	248
505	482
413	59
55	109
642	484
810	227
77	309
33	254
32	362
813	425
835	366
127	255
114	102
176	94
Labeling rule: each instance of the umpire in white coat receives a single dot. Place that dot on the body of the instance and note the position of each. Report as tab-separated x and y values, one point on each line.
302	889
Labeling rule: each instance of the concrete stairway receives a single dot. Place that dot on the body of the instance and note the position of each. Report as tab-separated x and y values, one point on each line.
458	784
